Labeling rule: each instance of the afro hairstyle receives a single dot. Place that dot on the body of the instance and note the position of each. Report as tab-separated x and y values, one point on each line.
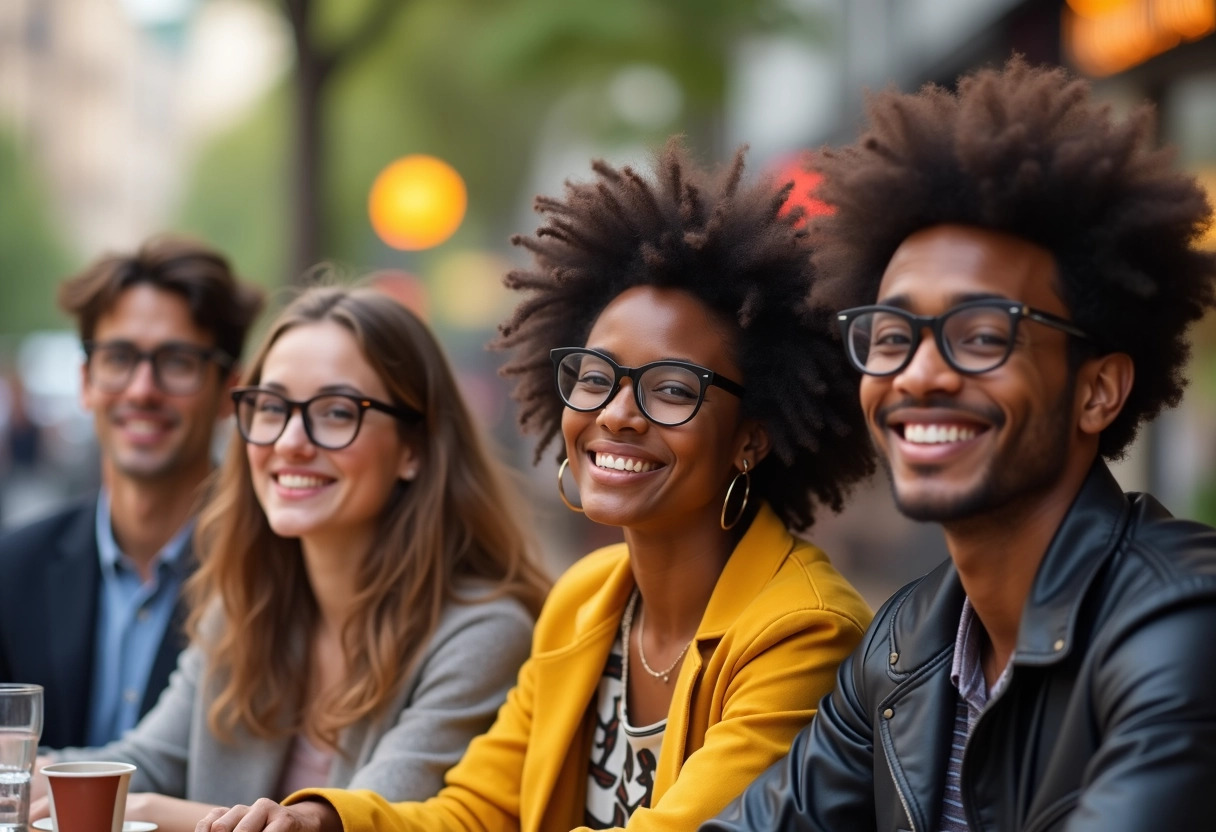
732	247
1027	151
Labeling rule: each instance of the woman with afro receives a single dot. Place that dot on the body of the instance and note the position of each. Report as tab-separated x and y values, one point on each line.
665	336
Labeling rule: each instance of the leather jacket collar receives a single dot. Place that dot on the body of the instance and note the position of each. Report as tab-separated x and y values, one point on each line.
926	622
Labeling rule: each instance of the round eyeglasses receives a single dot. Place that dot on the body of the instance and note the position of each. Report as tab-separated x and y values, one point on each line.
331	420
178	369
973	337
668	393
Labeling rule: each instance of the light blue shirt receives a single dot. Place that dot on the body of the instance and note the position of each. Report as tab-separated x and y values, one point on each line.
132	617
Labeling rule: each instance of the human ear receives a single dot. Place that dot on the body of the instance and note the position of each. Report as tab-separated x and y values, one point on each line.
1103	385
409	463
754	444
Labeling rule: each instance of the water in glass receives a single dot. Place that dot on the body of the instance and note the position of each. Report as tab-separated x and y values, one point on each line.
20	728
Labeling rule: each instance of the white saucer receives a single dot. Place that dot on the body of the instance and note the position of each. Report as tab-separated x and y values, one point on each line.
44	824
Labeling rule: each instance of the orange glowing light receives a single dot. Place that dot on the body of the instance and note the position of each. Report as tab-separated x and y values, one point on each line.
1207	179
796	168
417	202
1108	36
1097	8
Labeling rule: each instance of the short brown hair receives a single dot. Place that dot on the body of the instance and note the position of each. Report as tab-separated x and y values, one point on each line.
219	302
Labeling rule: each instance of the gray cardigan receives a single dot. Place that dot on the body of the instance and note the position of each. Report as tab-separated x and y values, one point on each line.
450	697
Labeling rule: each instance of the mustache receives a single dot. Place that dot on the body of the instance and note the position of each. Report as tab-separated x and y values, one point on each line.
992	415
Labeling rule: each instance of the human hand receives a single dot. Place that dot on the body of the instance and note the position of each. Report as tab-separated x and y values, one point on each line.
38	781
307	816
40	808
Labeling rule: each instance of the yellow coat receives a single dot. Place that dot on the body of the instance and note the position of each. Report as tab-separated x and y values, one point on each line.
779	621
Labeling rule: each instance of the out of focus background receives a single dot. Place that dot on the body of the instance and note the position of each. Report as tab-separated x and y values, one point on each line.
286	132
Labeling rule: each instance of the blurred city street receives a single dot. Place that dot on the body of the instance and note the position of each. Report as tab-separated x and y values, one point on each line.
265	128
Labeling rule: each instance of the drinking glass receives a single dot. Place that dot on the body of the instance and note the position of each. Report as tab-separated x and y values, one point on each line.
20	728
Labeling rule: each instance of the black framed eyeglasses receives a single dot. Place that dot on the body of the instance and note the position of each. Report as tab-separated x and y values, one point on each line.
178	368
668	393
973	337
331	420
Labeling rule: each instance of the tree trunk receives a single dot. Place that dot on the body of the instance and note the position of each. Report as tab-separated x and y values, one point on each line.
313	70
306	245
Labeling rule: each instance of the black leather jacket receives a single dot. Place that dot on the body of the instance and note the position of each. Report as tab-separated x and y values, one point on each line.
1108	722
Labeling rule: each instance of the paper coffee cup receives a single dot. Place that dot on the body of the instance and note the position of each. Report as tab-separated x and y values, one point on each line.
88	797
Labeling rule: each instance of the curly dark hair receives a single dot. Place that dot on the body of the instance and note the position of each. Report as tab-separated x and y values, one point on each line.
1027	151
731	246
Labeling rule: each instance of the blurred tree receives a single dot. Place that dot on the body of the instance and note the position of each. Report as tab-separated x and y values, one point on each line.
240	193
32	256
474	82
320	54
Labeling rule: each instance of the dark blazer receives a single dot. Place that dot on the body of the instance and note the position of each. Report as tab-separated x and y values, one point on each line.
49	587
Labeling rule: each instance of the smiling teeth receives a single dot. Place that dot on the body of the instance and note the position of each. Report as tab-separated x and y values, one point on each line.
143	426
937	434
623	463
299	481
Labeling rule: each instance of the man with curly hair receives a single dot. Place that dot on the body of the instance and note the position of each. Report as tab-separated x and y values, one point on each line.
1014	272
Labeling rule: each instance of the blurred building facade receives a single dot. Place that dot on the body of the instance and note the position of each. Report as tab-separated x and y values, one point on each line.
80	88
110	99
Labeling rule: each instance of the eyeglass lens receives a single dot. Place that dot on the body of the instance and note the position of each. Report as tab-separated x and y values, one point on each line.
330	421
175	369
668	394
974	339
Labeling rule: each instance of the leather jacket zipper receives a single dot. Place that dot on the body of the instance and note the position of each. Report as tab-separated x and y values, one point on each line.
890	754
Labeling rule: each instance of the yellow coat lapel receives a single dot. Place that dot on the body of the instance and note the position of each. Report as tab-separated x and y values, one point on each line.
753	563
566	681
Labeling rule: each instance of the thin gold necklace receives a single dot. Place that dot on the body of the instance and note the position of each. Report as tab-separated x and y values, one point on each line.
626	625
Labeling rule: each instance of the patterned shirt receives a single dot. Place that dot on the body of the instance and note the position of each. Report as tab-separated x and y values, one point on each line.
967	676
620	779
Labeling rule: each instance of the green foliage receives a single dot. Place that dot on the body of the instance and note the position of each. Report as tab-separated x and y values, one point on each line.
529	41
473	82
32	257
240	198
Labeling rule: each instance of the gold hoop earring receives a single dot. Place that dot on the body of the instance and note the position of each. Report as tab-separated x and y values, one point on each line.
561	492
747	492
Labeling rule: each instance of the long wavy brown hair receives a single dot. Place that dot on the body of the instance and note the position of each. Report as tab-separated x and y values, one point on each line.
458	518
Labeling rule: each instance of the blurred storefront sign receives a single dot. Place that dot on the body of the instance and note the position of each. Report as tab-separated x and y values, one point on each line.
1103	37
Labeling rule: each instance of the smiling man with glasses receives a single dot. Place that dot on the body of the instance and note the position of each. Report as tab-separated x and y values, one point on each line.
178	369
1014	273
162	329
